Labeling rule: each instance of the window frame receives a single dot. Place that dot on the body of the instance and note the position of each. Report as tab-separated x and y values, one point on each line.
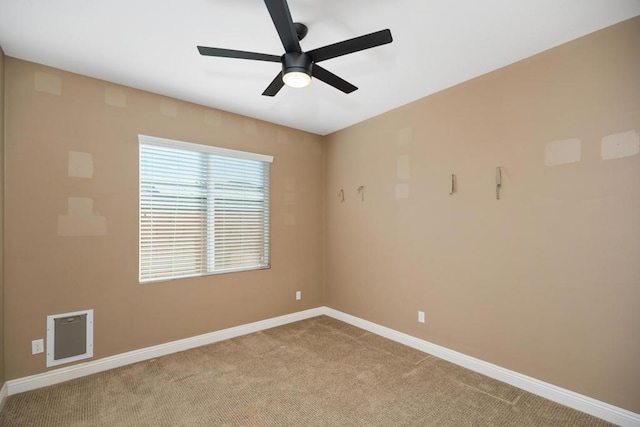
207	150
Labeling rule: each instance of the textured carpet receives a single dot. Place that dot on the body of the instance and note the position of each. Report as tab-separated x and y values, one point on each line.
317	372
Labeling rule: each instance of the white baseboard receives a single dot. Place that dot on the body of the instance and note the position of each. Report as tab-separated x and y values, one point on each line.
59	375
557	394
3	395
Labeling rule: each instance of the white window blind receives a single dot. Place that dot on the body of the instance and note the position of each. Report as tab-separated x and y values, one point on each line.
203	210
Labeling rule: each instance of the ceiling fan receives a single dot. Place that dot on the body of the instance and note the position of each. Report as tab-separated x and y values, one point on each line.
297	66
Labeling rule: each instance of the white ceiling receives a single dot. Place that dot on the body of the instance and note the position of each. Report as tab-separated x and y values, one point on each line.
151	45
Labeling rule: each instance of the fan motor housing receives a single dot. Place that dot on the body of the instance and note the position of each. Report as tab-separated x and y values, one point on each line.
296	62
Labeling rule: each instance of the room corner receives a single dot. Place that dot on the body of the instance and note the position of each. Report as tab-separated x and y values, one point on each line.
2	83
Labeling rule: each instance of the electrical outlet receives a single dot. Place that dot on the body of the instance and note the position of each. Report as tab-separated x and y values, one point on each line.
298	295
37	346
420	316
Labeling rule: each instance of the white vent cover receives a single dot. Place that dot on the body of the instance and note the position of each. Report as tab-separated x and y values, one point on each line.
69	337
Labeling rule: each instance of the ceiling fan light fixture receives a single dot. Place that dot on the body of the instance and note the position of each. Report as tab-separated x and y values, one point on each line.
296	79
296	69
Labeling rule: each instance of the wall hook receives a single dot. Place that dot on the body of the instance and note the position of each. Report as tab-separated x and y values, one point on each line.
361	192
452	184
341	195
498	181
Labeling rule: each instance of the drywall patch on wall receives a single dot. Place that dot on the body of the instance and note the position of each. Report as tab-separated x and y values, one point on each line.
290	198
282	137
617	145
403	167
562	151
290	184
115	97
402	191
289	219
168	108
250	127
404	136
81	220
80	165
47	83
213	118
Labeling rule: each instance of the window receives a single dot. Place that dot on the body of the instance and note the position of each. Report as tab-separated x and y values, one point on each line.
203	210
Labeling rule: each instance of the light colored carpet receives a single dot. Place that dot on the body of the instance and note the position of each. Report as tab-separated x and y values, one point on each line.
317	372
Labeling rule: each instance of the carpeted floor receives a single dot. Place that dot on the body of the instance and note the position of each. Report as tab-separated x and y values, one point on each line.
317	372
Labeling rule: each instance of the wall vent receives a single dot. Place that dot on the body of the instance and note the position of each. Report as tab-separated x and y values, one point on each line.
69	337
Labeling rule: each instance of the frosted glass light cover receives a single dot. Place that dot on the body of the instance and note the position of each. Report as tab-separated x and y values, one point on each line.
296	79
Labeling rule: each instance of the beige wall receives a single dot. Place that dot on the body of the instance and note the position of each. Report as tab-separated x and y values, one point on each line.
545	281
2	59
49	114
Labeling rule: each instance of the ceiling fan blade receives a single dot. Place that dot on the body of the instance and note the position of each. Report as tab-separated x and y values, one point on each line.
240	54
281	17
331	79
275	86
352	45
